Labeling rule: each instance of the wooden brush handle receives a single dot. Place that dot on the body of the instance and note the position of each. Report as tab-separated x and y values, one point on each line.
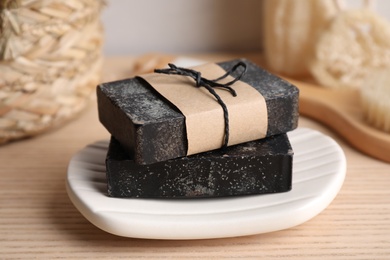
340	110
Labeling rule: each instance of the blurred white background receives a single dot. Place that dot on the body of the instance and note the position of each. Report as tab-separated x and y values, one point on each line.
177	26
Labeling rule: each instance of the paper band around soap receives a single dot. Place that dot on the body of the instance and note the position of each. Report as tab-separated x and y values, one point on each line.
210	84
204	116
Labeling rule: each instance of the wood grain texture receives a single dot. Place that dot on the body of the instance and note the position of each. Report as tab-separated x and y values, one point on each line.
37	219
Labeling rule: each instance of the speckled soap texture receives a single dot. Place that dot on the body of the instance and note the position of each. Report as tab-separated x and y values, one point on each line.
151	130
257	167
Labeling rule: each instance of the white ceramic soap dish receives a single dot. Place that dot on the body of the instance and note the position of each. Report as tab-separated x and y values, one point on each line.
319	168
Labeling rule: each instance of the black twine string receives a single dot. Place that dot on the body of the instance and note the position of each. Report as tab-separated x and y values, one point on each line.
210	85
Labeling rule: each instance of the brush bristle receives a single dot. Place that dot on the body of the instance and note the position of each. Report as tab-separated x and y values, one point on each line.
375	100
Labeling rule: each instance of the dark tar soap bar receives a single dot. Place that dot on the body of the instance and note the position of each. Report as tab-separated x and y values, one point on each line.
151	130
258	167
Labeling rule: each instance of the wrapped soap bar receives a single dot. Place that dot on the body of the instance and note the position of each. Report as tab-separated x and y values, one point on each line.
151	129
258	167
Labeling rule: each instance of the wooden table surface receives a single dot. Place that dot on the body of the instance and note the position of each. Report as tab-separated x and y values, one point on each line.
37	219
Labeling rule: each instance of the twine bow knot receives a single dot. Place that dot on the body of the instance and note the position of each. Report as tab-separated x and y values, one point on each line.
210	85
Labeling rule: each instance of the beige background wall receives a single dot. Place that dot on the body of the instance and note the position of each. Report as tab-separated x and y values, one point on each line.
182	26
137	26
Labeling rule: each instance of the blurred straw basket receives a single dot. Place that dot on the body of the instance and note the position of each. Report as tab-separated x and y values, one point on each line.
50	62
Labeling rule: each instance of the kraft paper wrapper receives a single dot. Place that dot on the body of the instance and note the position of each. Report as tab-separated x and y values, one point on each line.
204	115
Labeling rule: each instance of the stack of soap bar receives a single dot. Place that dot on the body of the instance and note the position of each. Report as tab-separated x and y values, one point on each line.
257	167
151	130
